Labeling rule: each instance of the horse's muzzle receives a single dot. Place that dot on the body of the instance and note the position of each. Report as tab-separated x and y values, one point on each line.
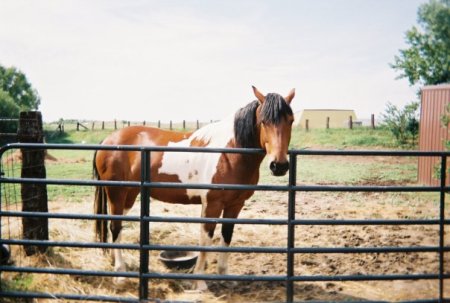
278	168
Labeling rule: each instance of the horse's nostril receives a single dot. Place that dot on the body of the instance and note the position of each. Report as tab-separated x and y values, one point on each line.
279	169
273	166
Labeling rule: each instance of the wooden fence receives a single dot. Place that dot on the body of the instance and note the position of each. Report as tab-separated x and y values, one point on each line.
350	123
84	125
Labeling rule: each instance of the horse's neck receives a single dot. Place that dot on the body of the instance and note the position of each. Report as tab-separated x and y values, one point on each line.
247	165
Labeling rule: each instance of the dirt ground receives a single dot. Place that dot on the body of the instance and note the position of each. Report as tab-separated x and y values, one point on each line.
263	205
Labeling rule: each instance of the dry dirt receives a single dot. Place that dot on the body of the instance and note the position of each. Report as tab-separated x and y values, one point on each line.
262	205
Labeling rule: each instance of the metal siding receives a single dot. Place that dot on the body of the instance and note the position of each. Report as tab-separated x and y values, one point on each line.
432	134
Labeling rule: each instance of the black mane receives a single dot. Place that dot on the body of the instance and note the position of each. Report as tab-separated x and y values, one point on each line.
245	127
273	110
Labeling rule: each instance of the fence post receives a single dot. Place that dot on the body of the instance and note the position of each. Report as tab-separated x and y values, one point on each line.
307	124
350	122
61	126
93	124
78	126
328	122
184	124
291	227
170	124
115	124
159	123
143	123
103	125
443	175
372	121
34	196
144	225
198	125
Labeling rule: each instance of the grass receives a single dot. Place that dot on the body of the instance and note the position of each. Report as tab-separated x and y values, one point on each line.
342	138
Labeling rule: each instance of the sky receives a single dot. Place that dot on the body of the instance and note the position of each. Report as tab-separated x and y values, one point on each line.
191	59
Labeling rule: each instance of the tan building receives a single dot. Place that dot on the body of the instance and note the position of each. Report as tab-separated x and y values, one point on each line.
317	118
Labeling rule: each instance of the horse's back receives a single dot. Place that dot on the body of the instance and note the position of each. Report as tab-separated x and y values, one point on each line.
142	135
125	165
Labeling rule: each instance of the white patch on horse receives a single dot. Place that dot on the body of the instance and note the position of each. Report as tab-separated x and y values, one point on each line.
197	167
222	260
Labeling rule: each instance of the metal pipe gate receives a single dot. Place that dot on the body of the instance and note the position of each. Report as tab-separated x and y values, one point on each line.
145	219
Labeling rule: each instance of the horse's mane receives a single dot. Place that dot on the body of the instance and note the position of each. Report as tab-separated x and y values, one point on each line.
245	132
273	110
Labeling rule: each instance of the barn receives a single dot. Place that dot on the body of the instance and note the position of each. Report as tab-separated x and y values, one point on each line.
317	118
433	135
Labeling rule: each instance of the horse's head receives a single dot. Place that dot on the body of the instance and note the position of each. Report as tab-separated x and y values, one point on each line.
275	118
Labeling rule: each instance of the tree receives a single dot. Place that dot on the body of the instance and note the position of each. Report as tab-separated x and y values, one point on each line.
7	105
15	84
403	123
427	60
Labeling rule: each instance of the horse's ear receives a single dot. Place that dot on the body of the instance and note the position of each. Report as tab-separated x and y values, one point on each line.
291	96
259	95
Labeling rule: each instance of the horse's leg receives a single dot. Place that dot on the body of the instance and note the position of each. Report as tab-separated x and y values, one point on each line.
209	210
227	233
116	197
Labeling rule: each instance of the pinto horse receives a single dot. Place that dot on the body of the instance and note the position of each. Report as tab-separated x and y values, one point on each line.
264	123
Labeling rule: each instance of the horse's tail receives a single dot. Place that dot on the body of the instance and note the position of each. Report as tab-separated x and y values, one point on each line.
100	207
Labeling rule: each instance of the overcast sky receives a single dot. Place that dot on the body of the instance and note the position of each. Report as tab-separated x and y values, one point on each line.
186	59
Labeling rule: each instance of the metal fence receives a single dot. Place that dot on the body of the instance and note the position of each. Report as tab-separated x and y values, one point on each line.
145	219
8	130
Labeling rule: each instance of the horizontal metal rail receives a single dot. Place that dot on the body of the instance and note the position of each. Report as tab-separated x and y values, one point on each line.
217	186
303	152
290	250
271	278
25	214
40	295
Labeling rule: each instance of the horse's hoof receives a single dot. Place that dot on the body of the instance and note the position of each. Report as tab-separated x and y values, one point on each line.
201	286
119	281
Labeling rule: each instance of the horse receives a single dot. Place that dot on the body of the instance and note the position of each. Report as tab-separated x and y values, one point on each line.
265	123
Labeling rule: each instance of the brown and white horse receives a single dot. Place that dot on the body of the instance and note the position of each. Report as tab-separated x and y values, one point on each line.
264	123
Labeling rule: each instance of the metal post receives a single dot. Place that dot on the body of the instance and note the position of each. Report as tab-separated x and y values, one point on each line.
144	225
442	227
291	227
